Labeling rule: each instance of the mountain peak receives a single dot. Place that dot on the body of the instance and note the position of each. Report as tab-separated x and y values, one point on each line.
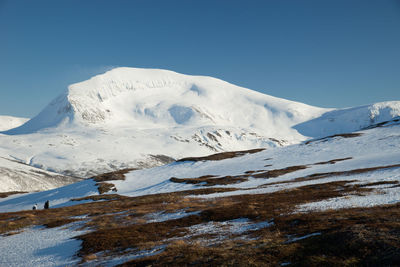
154	98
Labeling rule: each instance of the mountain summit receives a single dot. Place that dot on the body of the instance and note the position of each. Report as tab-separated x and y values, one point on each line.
152	98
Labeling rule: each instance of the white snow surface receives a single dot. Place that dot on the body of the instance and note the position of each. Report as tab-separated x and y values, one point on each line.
295	239
59	197
40	246
236	226
128	117
10	122
164	216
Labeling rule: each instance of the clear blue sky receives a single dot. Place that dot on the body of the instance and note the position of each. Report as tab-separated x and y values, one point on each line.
328	53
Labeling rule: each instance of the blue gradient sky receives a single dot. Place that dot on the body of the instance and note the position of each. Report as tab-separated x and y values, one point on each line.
328	53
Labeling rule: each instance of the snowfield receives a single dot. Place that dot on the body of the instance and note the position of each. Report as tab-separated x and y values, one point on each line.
40	246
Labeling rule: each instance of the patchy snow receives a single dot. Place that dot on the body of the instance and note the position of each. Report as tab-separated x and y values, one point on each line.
295	239
129	255
163	216
236	226
39	246
378	197
376	147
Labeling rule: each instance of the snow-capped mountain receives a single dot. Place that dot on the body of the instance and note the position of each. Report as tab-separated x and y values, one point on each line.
153	99
139	118
9	122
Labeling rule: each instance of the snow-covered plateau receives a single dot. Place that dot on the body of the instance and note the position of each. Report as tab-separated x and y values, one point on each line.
139	118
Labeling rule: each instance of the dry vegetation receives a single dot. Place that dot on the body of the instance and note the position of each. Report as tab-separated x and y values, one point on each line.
333	161
210	180
384	124
120	226
7	194
345	135
101	180
223	155
369	236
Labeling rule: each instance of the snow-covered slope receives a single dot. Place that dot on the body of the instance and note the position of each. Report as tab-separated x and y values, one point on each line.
131	117
15	176
368	158
349	119
9	122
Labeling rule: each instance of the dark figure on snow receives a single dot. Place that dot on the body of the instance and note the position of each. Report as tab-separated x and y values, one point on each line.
34	207
46	205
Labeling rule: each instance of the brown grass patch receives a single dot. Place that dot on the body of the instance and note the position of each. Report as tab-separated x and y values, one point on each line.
210	180
279	172
333	161
321	175
7	194
256	207
380	183
115	175
101	180
105	187
383	124
223	155
351	172
344	135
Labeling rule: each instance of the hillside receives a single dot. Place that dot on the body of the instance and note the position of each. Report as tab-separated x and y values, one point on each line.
326	201
9	122
139	118
20	177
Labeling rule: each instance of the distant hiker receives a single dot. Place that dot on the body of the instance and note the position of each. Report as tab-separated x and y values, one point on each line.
34	207
46	205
